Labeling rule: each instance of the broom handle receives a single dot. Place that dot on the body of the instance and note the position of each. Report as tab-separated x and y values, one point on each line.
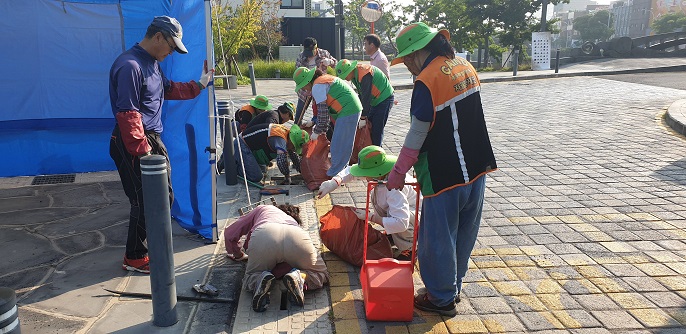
306	105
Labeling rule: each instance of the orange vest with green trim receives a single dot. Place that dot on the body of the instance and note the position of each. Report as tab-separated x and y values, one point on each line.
381	87
341	98
257	137
457	149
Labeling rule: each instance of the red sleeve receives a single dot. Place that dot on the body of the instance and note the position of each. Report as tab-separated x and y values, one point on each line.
182	90
132	132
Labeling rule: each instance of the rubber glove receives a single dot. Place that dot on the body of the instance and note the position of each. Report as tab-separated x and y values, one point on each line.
314	136
308	124
406	158
361	123
328	186
206	76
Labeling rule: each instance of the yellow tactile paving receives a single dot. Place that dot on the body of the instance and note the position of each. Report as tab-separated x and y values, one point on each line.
466	323
654	317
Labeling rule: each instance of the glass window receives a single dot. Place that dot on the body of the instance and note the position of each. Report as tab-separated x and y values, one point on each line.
292	4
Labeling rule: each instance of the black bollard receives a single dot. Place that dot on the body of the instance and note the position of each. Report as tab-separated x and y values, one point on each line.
160	250
251	70
9	317
515	63
557	60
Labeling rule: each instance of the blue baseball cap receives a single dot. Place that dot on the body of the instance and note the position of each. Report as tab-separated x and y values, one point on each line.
171	26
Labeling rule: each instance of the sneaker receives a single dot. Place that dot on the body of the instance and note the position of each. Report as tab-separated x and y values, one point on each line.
457	298
139	265
423	303
260	299
405	255
295	285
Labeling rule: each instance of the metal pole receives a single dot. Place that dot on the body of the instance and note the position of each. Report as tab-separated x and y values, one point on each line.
230	170
515	63
557	60
209	49
338	14
251	69
544	14
160	250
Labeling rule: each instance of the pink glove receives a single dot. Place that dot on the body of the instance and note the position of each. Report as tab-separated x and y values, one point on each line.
406	158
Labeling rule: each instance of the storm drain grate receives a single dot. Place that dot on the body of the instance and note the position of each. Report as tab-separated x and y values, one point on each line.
53	179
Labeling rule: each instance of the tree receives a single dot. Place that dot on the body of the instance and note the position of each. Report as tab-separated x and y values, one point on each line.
235	29
355	25
269	36
594	27
669	22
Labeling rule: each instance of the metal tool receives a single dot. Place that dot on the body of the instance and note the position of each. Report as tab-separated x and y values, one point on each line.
186	298
244	210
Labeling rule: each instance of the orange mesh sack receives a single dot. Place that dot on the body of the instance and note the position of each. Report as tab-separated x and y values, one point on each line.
343	234
363	138
315	162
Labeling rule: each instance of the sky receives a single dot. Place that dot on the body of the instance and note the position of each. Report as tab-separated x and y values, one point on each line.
549	13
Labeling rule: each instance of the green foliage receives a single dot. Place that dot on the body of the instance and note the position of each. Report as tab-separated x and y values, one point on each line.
594	27
264	69
235	29
669	22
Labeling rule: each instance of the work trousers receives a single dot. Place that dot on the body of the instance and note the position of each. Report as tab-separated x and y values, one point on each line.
274	243
448	228
378	116
129	168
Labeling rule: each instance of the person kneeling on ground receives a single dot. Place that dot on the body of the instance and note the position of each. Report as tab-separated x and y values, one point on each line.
247	112
281	115
277	248
262	143
394	209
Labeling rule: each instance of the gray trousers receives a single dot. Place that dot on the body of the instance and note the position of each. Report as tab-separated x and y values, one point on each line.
273	243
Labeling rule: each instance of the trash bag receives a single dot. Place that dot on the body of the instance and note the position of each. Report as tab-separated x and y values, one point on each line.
363	138
315	162
343	233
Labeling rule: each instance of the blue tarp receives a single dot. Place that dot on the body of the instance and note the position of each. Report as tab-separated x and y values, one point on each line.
55	116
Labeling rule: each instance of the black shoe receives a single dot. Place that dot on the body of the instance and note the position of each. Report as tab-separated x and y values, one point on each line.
457	298
423	303
260	299
405	255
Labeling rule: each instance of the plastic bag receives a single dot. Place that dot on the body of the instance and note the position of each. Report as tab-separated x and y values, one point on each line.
343	234
363	138
315	162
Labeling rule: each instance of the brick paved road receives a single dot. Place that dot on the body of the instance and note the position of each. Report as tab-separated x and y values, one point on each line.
584	222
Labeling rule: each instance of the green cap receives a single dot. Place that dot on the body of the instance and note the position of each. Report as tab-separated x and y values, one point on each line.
298	137
261	102
288	107
344	67
302	76
373	162
415	37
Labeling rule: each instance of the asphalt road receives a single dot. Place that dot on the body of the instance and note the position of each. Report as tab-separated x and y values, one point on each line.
675	80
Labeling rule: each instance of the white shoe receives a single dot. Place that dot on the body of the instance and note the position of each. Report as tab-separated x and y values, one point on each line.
295	285
260	299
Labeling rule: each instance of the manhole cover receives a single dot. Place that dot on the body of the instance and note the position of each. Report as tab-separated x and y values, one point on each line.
53	179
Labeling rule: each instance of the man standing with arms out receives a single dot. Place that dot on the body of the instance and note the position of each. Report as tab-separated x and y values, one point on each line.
449	147
138	89
372	45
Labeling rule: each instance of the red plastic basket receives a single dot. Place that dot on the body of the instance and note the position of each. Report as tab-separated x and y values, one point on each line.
387	286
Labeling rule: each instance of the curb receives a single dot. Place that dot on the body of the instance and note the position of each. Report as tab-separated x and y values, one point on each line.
676	116
674	68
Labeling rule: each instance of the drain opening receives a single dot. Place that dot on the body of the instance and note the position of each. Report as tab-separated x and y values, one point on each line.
53	179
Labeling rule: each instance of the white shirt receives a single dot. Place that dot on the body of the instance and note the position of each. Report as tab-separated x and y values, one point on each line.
379	60
398	203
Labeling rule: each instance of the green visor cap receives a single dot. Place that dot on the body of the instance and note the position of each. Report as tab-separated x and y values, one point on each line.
298	138
415	37
302	76
261	102
344	67
373	162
